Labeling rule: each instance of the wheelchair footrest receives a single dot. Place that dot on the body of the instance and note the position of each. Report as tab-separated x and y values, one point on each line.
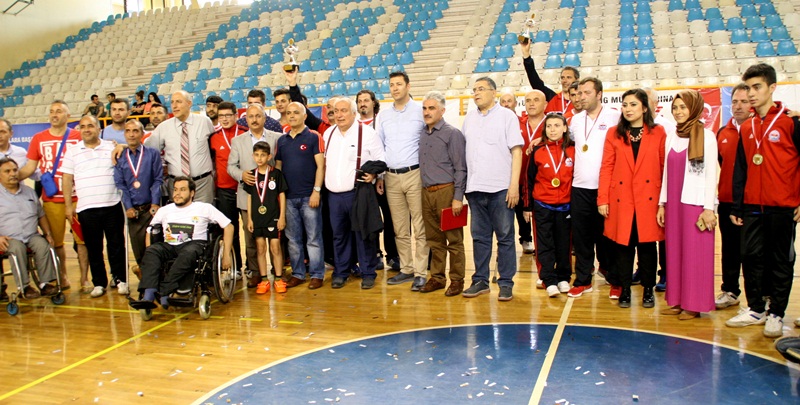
142	304
181	301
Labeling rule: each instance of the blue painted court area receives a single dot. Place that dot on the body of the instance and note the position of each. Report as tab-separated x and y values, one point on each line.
501	364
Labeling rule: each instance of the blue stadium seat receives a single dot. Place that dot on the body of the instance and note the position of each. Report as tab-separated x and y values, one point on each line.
506	51
382	72
408	36
577	22
225	95
332	64
579	11
511	39
716	24
202	74
238	83
644	30
646	56
483	66
542	36
327	43
353	88
643	6
376	60
503	18
305	66
500	65
214	73
739	36
340	42
188	86
581	3
556	48
361	61
748	10
406	58
626	58
266	58
692	4
779	33
765	49
627	44
567	4
645	42
743	2
200	86
400	47
713	13
559	35
675	5
351	74
695	14
340	89
385	86
773	21
499	29
626	19
753	22
759	35
365	73
329	53
573	47
372	85
324	90
626	31
318	64
572	59
386	48
489	52
786	48
251	82
767	9
626	8
575	34
391	59
309	90
552	62
415	46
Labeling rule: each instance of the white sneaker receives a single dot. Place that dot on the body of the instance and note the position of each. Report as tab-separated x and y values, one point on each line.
122	288
97	291
553	291
563	286
527	248
726	299
746	317
797	322
540	284
774	326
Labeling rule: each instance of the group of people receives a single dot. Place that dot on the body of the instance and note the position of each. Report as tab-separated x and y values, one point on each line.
591	179
139	107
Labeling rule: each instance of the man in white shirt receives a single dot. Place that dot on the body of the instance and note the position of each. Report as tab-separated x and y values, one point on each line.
588	129
347	147
88	166
184	225
9	150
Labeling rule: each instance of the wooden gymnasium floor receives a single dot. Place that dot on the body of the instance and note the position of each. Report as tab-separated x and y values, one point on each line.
100	351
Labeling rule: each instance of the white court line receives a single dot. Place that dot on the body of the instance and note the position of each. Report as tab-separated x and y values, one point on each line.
544	372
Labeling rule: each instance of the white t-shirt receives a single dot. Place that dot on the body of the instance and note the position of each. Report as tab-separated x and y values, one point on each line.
188	223
93	173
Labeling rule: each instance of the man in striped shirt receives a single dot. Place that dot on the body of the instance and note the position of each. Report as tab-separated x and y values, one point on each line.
88	166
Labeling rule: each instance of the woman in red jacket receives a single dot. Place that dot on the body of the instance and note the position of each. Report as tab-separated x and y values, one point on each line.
630	185
550	184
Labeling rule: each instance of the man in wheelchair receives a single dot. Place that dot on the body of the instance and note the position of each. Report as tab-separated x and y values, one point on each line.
20	216
184	224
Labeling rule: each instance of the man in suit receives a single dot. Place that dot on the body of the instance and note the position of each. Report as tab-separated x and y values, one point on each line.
240	167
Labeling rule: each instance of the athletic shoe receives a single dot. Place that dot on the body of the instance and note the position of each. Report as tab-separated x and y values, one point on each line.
563	286
97	291
476	289
540	284
527	248
726	299
418	283
636	279
122	288
552	291
400	278
797	322
280	286
661	285
505	294
614	293
774	326
262	287
746	317
578	290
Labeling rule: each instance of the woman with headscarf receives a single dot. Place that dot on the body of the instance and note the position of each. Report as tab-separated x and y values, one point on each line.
686	209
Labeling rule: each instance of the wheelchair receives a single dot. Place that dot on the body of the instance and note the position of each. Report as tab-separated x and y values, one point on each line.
208	275
13	307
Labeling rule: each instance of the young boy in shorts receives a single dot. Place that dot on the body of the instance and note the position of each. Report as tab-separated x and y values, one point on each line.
267	209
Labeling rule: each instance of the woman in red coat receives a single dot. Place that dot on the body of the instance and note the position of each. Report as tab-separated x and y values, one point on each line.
630	185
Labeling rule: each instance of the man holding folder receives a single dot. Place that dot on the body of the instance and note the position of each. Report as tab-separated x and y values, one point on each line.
443	167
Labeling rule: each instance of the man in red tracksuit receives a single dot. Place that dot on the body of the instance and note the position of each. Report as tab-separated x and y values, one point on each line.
766	195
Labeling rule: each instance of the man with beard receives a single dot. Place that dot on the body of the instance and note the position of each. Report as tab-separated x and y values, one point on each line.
212	106
120	110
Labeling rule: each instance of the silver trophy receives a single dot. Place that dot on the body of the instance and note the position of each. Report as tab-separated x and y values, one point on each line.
527	36
291	50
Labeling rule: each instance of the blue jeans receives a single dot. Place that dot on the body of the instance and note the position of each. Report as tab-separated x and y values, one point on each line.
491	215
299	217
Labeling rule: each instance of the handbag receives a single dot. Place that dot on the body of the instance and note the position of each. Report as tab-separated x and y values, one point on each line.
49	178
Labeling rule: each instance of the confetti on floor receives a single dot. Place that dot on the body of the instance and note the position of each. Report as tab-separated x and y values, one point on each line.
600	383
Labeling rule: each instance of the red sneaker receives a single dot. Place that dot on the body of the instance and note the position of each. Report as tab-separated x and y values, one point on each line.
578	290
615	292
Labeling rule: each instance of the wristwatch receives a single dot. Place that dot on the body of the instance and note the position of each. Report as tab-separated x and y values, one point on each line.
317	189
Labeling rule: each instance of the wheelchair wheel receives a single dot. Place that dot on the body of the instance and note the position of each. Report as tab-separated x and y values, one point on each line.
224	280
146	314
58	299
205	306
12	308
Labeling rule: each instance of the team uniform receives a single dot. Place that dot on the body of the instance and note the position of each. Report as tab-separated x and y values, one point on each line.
264	201
727	144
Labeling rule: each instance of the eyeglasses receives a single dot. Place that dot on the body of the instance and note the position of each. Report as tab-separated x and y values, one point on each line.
226	115
481	90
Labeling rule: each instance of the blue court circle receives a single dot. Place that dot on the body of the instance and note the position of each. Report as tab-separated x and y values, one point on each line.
501	363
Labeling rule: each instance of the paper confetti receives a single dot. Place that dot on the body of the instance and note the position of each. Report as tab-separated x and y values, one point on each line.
476	346
341	390
350	394
199	368
586	372
332	351
493	384
100	384
362	345
115	380
440	374
140	393
428	387
324	370
480	394
106	372
408	386
247	385
280	383
489	357
419	362
562	400
635	397
600	383
57	351
429	341
577	368
499	393
464	384
603	374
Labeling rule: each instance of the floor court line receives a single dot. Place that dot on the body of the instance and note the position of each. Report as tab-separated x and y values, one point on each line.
541	380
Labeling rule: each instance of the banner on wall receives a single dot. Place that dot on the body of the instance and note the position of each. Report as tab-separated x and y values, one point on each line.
711	111
23	133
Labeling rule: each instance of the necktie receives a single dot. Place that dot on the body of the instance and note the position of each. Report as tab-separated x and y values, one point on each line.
184	149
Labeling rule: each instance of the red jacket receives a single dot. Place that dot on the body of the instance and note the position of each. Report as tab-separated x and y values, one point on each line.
541	173
775	182
528	134
727	143
628	187
560	104
221	150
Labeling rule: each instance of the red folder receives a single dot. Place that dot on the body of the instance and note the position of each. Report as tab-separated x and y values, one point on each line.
449	221
76	227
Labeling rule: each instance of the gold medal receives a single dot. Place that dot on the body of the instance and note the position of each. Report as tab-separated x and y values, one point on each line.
136	184
585	148
555	182
262	210
758	159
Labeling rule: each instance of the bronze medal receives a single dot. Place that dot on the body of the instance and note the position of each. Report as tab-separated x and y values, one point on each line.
555	182
262	210
136	184
585	147
758	159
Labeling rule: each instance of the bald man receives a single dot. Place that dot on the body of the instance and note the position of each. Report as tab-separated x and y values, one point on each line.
184	140
508	100
531	127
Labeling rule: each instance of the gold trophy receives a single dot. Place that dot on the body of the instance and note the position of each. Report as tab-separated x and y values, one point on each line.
527	36
291	50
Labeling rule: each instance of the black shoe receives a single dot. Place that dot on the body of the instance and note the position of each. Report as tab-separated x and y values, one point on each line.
661	286
648	299
418	283
338	282
625	298
367	283
636	280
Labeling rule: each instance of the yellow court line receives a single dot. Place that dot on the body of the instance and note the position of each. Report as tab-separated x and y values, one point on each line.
252	319
86	308
292	322
544	372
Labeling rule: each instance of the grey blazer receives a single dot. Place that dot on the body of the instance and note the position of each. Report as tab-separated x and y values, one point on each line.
241	160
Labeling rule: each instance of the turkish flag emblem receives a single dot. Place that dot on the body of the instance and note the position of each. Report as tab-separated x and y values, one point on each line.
303	147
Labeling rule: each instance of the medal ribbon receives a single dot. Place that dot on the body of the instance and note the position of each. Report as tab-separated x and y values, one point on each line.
135	170
587	134
263	191
556	168
225	137
761	138
532	135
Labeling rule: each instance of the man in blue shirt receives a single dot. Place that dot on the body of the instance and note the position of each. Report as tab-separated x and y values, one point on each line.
399	128
299	156
139	175
120	111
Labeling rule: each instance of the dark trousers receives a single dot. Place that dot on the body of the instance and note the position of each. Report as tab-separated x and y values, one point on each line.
553	244
525	233
623	262
768	258
108	222
344	238
389	245
185	255
327	230
225	201
587	234
137	232
731	236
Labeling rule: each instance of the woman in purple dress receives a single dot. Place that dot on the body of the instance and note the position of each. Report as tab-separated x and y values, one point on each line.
686	209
